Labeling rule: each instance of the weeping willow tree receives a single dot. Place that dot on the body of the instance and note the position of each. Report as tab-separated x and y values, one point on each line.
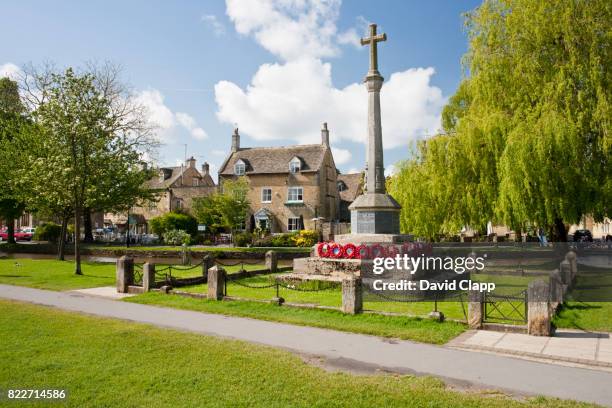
527	134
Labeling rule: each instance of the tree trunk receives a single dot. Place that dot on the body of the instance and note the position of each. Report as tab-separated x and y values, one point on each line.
560	231
10	223
77	240
62	238
88	238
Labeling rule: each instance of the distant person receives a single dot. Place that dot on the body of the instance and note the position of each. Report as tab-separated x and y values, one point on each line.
542	237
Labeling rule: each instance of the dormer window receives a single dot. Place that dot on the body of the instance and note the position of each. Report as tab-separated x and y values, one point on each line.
239	168
341	186
295	165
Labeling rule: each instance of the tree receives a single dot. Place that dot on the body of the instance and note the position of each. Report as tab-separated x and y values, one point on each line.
528	131
93	140
12	122
225	209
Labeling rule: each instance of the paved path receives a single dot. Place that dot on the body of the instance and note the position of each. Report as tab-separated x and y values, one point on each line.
479	369
571	346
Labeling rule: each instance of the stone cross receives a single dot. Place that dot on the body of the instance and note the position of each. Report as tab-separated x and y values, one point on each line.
372	41
375	173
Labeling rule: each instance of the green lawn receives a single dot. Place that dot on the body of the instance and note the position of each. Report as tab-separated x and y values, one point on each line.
595	316
112	363
410	328
55	275
198	249
59	275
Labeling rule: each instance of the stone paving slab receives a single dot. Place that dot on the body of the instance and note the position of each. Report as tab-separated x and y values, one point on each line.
572	346
108	292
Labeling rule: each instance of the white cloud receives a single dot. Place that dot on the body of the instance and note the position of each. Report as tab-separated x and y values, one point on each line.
291	100
353	35
164	119
9	70
217	27
289	29
341	156
353	170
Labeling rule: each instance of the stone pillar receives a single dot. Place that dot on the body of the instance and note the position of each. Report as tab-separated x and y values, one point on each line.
148	276
475	315
124	273
207	263
557	289
573	261
352	302
538	308
185	255
565	271
216	283
272	261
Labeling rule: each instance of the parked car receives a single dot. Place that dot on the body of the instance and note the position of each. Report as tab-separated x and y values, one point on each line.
583	235
19	236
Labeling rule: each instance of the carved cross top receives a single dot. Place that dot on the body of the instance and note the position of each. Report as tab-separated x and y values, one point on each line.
371	41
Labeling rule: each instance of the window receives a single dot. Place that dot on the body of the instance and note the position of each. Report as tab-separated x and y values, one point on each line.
195	182
295	194
341	186
178	204
294	165
241	226
239	168
266	195
293	224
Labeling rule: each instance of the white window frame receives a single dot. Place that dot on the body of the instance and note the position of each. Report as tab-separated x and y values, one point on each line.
299	191
295	165
239	168
341	186
263	195
295	221
195	182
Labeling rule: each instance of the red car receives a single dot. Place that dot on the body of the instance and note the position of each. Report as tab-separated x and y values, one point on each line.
19	236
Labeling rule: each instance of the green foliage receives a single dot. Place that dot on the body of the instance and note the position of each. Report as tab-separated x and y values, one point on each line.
174	221
528	131
305	238
48	232
225	209
176	237
242	239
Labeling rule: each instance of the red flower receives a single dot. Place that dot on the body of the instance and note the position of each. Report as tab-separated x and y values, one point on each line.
350	251
362	252
323	249
336	251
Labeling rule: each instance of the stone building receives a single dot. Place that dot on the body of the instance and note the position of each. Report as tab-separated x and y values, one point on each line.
349	187
177	187
291	187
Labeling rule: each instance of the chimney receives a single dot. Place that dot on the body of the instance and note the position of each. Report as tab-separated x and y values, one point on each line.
191	162
325	135
205	169
235	141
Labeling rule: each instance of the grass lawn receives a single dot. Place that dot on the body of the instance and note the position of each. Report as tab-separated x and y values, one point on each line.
59	275
112	363
55	275
199	248
409	328
595	316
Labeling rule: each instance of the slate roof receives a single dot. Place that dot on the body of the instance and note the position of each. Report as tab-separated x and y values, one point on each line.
274	160
172	174
354	184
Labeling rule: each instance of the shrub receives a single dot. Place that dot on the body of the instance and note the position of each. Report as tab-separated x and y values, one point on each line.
242	239
48	232
174	221
283	240
176	237
306	238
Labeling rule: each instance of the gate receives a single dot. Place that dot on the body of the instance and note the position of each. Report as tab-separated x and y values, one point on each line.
510	309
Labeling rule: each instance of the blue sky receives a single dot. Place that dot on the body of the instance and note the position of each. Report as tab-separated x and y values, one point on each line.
277	68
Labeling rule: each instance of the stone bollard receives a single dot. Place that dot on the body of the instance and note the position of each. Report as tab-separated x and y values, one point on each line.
216	283
572	258
124	273
352	301
565	271
557	289
272	261
538	308
185	255
475	315
207	263
148	276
